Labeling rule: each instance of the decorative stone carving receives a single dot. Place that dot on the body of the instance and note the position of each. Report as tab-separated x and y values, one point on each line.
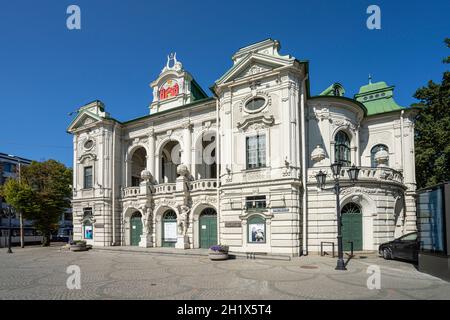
258	93
381	157
148	218
146	175
256	123
318	154
254	69
345	123
177	65
182	170
183	219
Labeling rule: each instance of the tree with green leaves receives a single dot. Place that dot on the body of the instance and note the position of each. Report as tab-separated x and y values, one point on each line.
42	195
432	131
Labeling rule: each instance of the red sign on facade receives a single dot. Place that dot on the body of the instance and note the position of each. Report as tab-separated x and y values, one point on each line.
168	90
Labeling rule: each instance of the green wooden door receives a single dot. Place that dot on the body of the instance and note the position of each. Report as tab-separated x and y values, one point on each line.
208	228
136	229
169	229
352	227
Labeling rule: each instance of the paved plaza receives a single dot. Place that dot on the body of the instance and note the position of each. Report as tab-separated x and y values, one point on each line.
40	273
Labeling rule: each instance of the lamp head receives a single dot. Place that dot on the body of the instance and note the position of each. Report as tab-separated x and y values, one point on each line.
321	178
336	169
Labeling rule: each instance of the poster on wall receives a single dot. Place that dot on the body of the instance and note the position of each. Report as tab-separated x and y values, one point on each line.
88	232
257	232
170	231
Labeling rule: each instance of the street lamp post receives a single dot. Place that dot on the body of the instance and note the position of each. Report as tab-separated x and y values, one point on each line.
321	180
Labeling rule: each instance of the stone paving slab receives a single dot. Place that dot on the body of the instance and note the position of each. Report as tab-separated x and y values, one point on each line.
40	273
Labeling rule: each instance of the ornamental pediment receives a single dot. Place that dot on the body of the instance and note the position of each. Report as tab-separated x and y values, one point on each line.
85	120
254	69
253	64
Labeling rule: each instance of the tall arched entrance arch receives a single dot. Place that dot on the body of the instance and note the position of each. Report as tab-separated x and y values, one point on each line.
208	228
352	227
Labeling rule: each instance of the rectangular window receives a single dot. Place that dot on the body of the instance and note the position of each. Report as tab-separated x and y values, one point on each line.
88	177
256	230
256	151
255	202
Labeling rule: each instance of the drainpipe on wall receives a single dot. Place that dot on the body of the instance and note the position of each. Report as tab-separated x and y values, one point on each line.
113	187
218	162
403	167
304	168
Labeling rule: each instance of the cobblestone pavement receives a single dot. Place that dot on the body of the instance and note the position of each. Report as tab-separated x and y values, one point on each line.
40	273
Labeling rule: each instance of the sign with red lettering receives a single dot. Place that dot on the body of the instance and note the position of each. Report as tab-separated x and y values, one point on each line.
168	90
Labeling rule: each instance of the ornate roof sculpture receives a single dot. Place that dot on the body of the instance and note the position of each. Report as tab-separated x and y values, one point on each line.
174	87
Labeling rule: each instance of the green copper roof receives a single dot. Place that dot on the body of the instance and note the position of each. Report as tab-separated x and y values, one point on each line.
333	90
377	98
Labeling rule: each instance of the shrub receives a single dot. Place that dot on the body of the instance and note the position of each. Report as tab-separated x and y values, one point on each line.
219	248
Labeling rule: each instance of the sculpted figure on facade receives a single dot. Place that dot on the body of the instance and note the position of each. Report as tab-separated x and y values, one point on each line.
183	219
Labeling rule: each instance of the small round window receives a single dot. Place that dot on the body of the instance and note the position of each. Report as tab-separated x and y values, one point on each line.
88	144
255	104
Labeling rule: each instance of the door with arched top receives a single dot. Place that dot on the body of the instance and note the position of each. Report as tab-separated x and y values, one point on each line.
135	229
208	228
352	227
169	229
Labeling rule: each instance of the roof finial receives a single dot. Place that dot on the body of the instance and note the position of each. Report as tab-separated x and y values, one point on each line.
370	78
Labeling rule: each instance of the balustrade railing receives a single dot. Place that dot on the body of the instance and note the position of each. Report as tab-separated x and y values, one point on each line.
203	184
365	174
131	191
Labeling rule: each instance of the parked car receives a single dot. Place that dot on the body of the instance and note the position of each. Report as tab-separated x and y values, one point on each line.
406	248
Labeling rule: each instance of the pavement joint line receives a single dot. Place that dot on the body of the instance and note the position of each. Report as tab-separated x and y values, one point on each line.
399	270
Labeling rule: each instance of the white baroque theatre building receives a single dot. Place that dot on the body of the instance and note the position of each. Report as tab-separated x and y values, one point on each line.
239	168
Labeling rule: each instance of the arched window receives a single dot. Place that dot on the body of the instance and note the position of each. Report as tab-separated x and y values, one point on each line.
256	230
375	149
342	148
351	208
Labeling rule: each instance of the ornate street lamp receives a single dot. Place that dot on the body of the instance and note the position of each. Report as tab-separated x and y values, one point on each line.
321	179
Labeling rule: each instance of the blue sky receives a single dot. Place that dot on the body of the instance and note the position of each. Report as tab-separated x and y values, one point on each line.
47	71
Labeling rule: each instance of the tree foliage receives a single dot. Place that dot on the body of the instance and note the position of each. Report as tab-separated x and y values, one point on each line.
42	195
432	131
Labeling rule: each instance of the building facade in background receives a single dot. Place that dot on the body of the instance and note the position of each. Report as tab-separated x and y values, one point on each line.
10	166
239	168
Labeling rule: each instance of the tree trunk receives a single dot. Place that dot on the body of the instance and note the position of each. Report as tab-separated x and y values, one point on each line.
46	239
22	239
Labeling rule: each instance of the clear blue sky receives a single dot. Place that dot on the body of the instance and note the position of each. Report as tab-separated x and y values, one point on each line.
47	71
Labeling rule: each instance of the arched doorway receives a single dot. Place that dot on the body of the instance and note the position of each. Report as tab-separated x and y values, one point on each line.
138	163
170	159
169	229
206	167
135	229
352	227
208	228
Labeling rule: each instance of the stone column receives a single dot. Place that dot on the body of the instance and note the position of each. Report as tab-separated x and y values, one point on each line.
147	222
182	191
151	152
187	145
